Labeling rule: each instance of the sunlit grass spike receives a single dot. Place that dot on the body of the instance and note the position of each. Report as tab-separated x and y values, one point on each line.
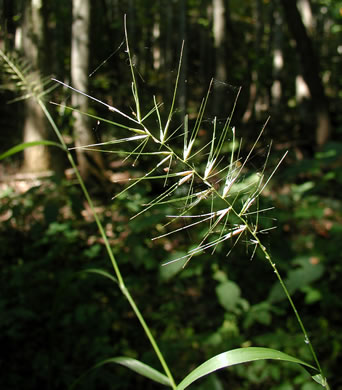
171	112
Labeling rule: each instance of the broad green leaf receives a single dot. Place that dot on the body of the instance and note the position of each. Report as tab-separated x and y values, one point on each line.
306	273
134	365
237	356
21	147
101	272
228	294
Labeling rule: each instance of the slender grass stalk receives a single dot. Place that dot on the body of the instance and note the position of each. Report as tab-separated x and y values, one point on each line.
189	173
110	253
244	223
131	65
212	162
219	200
168	122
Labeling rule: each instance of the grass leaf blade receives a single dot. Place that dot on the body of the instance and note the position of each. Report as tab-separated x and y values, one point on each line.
134	365
25	145
101	272
237	356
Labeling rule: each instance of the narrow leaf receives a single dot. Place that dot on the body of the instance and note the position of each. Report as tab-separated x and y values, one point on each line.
139	367
101	119
101	272
21	147
134	365
237	356
319	379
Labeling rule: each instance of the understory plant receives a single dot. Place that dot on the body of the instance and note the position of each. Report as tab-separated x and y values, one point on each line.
205	185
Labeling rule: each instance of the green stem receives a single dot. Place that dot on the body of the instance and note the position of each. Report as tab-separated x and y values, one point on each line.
293	306
306	336
149	335
119	277
269	259
86	193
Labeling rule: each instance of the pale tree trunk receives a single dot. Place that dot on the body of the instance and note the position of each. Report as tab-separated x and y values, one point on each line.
310	71
219	31
89	163
37	158
302	88
182	90
278	60
156	42
305	10
219	34
255	101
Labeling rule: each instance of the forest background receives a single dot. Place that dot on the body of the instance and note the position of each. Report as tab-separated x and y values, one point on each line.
55	323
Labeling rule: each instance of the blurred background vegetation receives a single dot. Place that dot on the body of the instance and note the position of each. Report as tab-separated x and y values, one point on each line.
56	322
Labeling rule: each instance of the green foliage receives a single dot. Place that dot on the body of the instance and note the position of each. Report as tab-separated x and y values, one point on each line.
56	242
233	357
301	277
60	245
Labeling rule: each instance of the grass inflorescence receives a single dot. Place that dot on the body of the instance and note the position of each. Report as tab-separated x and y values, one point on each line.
206	184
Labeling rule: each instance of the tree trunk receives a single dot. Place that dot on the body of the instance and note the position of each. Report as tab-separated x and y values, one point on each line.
168	44
89	163
36	158
310	70
254	91
182	90
219	34
278	61
156	41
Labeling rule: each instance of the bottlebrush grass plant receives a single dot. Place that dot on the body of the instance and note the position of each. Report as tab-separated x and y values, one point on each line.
200	177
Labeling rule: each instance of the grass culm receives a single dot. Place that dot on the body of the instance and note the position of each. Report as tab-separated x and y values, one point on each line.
207	187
